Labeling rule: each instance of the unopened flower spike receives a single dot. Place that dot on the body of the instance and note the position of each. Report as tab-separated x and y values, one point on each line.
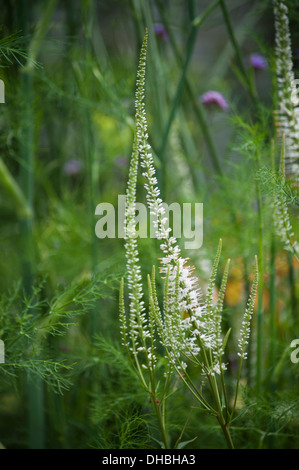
137	330
245	326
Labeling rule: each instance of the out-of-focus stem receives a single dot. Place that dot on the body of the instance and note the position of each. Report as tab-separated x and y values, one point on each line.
35	394
197	107
259	316
230	29
14	191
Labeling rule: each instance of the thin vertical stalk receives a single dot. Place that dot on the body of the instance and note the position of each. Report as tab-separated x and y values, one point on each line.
245	76
160	411
200	19
35	393
35	400
273	333
144	19
86	89
197	108
292	283
259	315
14	192
224	424
272	286
144	16
177	98
272	301
40	31
158	65
236	390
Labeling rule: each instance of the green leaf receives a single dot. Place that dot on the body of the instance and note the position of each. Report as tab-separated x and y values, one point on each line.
159	442
243	411
182	445
226	339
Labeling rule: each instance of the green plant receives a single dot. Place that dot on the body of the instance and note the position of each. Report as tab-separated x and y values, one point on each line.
188	328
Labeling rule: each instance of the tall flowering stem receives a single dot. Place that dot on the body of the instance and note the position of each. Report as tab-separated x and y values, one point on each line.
287	114
191	328
138	331
188	326
281	216
245	333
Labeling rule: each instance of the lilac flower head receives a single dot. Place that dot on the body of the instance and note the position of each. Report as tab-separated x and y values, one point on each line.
258	61
214	98
161	32
72	167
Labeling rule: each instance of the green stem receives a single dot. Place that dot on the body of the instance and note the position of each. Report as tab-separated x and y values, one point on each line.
201	18
14	191
230	29
226	432
197	108
292	283
159	407
161	421
36	418
176	101
86	89
224	391
189	383
215	393
272	289
35	393
236	391
223	423
260	286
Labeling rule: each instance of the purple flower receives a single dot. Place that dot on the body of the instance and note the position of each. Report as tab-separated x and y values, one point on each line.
214	98
161	32
121	162
72	167
257	61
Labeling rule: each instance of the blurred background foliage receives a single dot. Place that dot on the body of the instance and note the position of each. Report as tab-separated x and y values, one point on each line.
69	69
